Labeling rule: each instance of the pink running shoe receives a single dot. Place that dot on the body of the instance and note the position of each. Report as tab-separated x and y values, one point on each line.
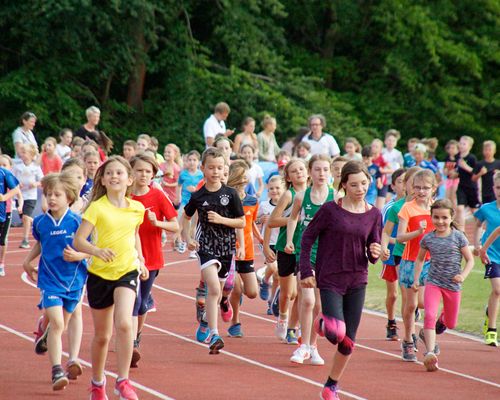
226	311
125	390
329	393
98	392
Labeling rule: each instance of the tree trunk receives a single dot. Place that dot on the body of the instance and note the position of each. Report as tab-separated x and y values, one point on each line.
329	39
138	73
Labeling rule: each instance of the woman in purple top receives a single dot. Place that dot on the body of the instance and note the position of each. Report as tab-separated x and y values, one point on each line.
348	234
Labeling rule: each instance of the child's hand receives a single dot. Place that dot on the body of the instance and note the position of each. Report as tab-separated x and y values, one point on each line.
309	282
31	271
484	256
70	254
32	185
458	278
193	245
152	218
214	218
191	188
144	272
107	255
483	171
375	250
416	286
2	197
462	164
240	253
423	225
289	248
263	219
269	254
380	185
386	254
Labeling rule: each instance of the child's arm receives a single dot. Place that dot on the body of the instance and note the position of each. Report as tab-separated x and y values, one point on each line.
380	185
469	264
240	251
256	233
387	239
419	262
170	225
478	232
11	193
144	272
291	224
403	236
261	187
480	173
214	218
482	251
29	268
276	220
268	252
80	243
71	255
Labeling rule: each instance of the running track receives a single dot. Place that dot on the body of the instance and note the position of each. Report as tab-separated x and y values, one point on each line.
175	366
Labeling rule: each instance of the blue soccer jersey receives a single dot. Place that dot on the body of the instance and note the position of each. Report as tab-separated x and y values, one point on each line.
490	213
7	181
55	274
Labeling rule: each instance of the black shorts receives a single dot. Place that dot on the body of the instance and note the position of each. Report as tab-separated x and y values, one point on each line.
382	192
397	260
489	198
100	291
467	196
29	208
286	264
4	229
223	263
244	266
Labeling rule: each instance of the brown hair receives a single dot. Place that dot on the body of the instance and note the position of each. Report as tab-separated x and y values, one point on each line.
237	174
212	152
98	190
75	161
445	204
318	157
222	108
351	168
410	172
66	180
148	159
91	153
130	143
287	168
355	142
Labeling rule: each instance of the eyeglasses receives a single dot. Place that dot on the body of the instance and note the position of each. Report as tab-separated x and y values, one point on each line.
422	188
316	125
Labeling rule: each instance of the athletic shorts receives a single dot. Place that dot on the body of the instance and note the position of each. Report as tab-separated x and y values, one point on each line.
451	183
492	271
244	266
389	273
4	229
382	192
223	263
406	270
29	207
468	197
66	300
286	264
100	291
489	198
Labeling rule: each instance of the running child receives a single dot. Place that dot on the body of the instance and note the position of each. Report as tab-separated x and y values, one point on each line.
485	169
488	216
352	149
450	170
29	174
9	187
376	176
113	220
348	235
414	221
92	162
50	161
337	165
63	148
219	213
61	271
129	149
305	205
295	176
255	173
170	172
446	246
384	167
161	215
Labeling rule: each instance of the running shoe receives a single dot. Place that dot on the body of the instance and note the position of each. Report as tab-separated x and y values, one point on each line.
281	329
2	270
235	331
392	332
202	333
437	349
136	355
98	392
193	254
301	354
73	369
216	344
125	390
59	378
226	310
408	352
291	337
181	248
330	393
264	290
417	314
486	321
431	362
41	337
24	244
415	341
491	338
316	359
440	326
275	305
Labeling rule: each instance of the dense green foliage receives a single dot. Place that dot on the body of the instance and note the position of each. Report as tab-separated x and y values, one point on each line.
428	68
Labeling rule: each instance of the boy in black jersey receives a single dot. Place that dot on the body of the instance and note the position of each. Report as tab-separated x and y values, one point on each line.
485	169
219	213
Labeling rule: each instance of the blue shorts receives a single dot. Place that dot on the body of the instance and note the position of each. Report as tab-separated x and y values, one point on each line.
406	270
492	271
68	301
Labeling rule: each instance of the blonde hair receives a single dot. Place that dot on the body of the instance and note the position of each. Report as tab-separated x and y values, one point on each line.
490	143
318	157
496	177
410	172
49	139
177	152
426	175
66	180
469	139
99	190
75	162
268	120
30	148
7	157
286	170
276	178
393	132
91	153
237	175
355	142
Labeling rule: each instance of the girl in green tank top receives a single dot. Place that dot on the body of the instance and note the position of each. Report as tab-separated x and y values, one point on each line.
305	205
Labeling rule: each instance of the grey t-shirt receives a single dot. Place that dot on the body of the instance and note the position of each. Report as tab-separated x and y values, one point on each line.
446	258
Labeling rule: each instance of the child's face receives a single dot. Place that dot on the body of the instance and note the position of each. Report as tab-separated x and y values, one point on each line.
169	153
422	188
4	163
399	186
356	186
376	147
452	150
247	154
464	145
213	169
57	200
115	177
192	163
225	175
284	158
49	147
142	144
26	155
76	151
250	127
320	172
297	173
128	152
488	151
67	138
350	148
411	146
92	164
275	190
337	170
419	156
390	142
143	173
79	175
441	219
302	152
225	146
367	160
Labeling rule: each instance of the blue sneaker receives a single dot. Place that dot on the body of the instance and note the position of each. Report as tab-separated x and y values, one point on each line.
202	333
235	331
216	344
269	310
291	337
264	290
275	305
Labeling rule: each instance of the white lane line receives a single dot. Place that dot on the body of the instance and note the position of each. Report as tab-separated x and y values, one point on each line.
87	364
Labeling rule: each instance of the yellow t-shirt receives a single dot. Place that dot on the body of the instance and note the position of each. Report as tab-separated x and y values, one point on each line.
114	228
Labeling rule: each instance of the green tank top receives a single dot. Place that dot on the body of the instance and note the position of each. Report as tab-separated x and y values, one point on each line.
309	209
281	241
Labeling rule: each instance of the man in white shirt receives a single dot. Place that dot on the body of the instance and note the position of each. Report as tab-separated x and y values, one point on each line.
215	124
320	142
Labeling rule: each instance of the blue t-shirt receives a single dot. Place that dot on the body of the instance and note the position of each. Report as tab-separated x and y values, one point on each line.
428	165
55	274
7	181
371	195
490	214
87	188
187	179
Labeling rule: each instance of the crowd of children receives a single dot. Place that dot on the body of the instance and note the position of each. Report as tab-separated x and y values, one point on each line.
318	221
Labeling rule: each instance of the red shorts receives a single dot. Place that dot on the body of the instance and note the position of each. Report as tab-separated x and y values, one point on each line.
389	273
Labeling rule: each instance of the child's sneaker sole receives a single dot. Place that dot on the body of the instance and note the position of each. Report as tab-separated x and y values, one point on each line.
60	383
73	370
431	362
216	346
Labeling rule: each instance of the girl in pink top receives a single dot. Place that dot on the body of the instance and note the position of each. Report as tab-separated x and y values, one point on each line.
50	161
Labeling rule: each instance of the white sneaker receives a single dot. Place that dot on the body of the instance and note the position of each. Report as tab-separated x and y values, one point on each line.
281	327
193	254
315	357
2	270
182	247
300	354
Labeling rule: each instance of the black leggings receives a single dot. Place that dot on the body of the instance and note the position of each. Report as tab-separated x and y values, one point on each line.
347	308
4	229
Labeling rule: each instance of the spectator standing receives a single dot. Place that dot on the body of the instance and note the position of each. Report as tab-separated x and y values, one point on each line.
215	124
320	142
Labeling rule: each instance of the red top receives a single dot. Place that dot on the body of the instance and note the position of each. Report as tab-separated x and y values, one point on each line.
170	191
381	162
50	164
156	201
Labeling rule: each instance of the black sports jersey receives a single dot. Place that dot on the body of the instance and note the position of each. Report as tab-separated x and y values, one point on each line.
487	179
465	176
215	239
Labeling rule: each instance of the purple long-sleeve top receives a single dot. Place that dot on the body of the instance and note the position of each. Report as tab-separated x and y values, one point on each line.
344	239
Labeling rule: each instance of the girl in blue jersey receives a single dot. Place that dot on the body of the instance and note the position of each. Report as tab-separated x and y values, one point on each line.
61	271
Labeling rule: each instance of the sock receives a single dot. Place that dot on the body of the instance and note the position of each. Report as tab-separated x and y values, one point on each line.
391	322
284	317
95	383
118	380
214	332
492	329
331	382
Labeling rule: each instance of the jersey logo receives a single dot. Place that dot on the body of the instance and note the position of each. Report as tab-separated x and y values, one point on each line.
132	283
59	232
248	212
204	204
224	199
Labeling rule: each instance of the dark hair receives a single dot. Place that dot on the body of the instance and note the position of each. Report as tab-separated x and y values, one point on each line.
193	153
366	151
64	131
396	174
148	159
26	116
212	152
351	168
447	205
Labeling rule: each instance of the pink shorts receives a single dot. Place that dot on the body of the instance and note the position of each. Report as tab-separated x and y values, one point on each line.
451	183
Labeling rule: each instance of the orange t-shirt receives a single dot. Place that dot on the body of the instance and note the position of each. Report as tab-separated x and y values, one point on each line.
413	214
50	165
250	208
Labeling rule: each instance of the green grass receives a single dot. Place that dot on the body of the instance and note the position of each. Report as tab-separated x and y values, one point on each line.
475	293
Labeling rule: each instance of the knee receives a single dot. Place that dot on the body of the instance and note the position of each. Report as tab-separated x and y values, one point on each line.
57	326
307	303
346	346
123	326
102	339
251	294
495	292
331	328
